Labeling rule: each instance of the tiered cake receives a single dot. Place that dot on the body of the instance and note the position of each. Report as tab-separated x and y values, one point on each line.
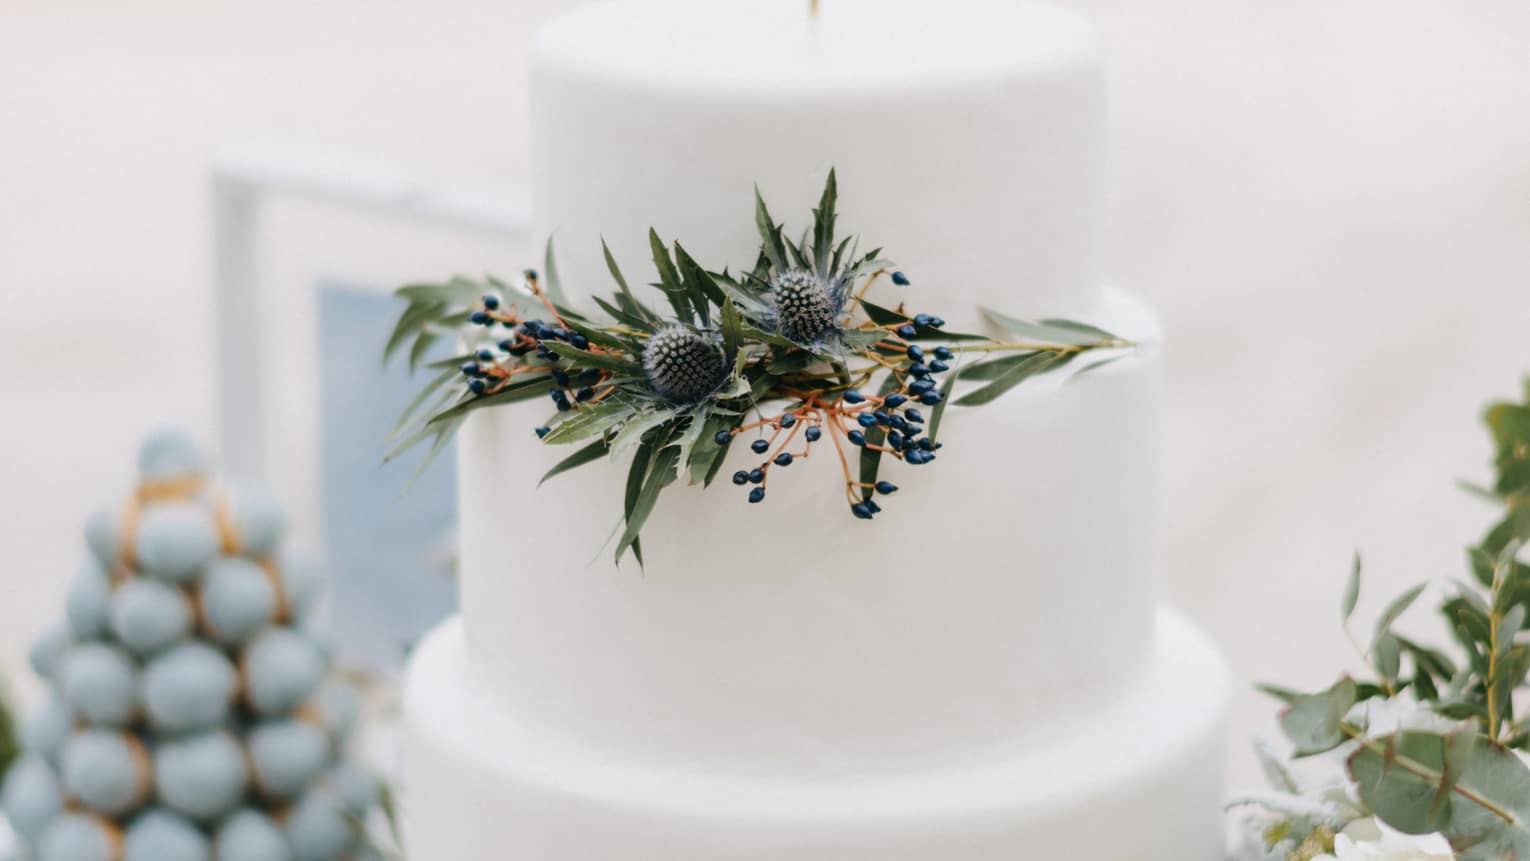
979	674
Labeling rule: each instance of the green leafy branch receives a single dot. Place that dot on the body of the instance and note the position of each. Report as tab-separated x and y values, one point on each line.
792	350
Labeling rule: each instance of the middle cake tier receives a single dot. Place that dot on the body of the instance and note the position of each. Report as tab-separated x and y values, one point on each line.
1005	588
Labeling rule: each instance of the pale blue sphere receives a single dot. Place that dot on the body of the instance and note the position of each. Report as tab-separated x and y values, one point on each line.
282	668
88	605
101	535
238	599
47	649
319	828
107	771
32	797
202	776
159	835
45	729
78	837
100	682
189	688
148	615
356	786
338	706
176	540
169	453
249	835
258	521
287	755
302	580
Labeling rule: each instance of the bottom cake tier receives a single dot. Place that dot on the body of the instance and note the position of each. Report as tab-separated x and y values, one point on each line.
1140	779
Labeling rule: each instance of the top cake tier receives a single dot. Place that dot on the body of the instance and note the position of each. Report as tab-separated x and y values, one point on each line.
968	136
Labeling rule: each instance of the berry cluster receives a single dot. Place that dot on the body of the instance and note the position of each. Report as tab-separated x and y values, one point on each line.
190	716
527	351
891	423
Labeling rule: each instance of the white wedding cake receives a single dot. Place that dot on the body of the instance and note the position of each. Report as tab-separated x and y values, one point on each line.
979	674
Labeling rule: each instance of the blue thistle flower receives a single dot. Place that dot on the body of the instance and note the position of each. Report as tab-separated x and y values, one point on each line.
682	365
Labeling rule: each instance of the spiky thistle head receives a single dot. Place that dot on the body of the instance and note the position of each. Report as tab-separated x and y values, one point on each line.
804	305
683	365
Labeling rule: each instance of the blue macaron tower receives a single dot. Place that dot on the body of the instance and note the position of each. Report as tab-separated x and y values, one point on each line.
190	715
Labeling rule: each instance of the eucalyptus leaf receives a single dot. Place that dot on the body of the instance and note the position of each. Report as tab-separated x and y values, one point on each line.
1314	722
589	454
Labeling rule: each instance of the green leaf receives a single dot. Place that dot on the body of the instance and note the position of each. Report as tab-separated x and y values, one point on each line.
1036	363
732	329
633	311
1351	590
669	279
586	359
823	225
699	285
1394	610
551	282
888	317
1314	722
939	411
589	454
434	387
636	427
660	475
1059	332
770	233
1477	794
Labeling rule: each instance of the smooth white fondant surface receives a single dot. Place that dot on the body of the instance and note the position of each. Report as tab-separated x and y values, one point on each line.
1140	778
968	136
1005	589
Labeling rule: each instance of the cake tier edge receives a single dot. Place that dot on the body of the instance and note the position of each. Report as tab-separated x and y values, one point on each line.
478	784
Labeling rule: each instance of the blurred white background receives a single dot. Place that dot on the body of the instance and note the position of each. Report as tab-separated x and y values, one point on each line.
1329	203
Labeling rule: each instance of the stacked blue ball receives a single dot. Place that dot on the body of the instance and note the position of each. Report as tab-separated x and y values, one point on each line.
190	713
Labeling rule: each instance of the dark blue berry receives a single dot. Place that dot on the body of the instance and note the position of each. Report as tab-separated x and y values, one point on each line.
470	368
584	394
866	420
788	420
561	378
922	319
882	417
507	345
542	432
478	386
861	510
919	387
944	354
915	352
915	457
579	341
895	401
919	369
927	444
479	318
930	398
723	438
490	301
589	375
939	367
756	476
531	274
856	437
760	446
872	504
895	440
741	477
900	279
936	322
900	423
886	487
914	415
813	434
757	495
854	397
907	330
485	355
784	459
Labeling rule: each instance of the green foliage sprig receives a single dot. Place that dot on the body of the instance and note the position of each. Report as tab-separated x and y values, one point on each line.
1462	779
671	390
